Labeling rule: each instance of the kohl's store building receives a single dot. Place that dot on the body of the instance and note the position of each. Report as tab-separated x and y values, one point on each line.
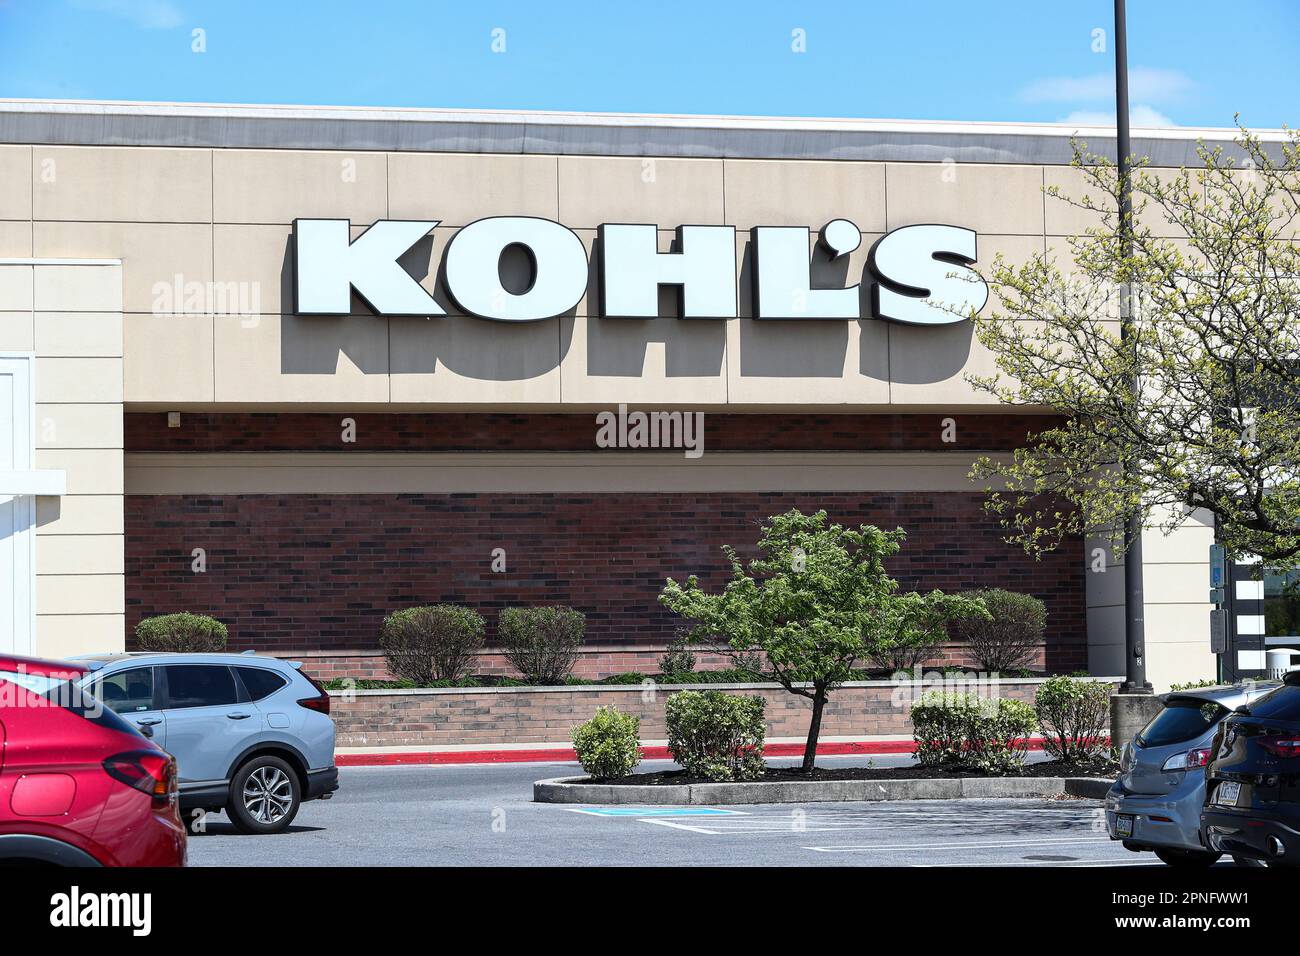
299	367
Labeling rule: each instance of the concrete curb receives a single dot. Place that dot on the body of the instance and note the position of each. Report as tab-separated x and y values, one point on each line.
573	790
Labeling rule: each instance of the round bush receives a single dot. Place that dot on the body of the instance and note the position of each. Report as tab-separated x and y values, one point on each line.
716	735
608	745
432	643
1009	638
180	633
541	642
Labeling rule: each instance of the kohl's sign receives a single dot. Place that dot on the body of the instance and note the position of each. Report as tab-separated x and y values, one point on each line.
918	275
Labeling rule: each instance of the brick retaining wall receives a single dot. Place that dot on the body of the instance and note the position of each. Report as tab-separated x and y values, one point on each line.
523	715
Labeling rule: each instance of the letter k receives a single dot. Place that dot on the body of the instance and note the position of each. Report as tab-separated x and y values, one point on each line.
328	266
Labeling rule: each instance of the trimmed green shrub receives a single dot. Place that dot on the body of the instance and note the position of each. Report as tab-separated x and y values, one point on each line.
1009	638
431	643
1196	684
968	732
541	642
716	735
678	659
1074	715
608	745
180	633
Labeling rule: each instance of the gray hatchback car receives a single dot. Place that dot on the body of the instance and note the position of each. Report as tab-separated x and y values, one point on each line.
1156	803
251	734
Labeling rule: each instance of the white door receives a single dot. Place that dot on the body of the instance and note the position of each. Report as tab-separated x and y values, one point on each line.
17	512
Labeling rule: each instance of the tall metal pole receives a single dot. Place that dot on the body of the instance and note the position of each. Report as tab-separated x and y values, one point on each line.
1135	671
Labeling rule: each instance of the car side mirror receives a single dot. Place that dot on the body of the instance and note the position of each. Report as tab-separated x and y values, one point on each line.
1243	709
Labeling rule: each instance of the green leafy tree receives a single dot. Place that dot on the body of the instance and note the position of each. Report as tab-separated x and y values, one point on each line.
1197	405
817	601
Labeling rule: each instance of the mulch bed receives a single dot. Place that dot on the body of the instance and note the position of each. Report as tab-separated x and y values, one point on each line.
1050	768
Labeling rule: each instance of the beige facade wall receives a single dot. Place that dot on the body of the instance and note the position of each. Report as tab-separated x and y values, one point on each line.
68	316
1176	587
204	235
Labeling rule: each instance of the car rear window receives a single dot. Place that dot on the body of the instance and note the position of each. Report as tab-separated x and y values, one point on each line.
66	694
260	682
73	699
200	685
1183	719
1281	704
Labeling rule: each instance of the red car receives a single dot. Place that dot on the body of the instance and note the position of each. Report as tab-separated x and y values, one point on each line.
79	786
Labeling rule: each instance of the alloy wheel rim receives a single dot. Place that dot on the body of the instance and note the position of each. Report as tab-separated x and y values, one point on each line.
268	794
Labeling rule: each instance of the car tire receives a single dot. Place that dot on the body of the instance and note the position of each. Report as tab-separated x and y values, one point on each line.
264	796
1187	859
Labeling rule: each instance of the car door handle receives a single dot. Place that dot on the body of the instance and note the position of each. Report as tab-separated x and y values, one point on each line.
238	715
148	721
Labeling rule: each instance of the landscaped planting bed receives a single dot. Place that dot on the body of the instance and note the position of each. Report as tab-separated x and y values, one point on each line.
1040	769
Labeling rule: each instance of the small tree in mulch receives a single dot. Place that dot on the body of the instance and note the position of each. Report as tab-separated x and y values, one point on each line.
815	603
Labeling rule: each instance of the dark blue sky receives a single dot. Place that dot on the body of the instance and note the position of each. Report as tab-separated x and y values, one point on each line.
1194	62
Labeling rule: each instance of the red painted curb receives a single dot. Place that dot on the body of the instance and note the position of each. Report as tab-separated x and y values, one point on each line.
566	754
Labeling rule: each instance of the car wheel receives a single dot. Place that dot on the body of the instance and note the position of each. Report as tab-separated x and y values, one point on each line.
264	796
1188	859
1249	862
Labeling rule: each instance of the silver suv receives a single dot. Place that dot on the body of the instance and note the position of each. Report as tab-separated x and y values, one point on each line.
251	734
1156	802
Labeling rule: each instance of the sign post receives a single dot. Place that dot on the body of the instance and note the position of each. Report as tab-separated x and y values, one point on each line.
1218	597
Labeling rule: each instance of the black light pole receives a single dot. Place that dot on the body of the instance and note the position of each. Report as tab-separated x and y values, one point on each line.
1135	671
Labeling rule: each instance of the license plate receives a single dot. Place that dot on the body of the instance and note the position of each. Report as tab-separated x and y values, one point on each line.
1123	825
1227	793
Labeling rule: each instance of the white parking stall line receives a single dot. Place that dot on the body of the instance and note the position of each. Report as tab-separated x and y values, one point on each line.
818	826
982	845
679	826
639	812
1119	861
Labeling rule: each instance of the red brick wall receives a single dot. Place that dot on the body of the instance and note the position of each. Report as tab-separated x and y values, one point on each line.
292	572
307	431
530	715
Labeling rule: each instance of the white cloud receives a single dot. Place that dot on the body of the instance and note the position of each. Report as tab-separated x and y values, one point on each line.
1139	115
1144	83
146	14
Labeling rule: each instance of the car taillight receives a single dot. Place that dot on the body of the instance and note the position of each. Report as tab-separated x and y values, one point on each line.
149	771
1190	760
1281	746
321	702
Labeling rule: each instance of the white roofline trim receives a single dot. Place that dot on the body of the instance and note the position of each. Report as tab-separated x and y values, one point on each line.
573	118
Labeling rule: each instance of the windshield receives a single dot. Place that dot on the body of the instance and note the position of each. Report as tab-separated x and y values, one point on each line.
1183	719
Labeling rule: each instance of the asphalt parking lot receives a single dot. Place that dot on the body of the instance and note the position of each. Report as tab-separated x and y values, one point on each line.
484	815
